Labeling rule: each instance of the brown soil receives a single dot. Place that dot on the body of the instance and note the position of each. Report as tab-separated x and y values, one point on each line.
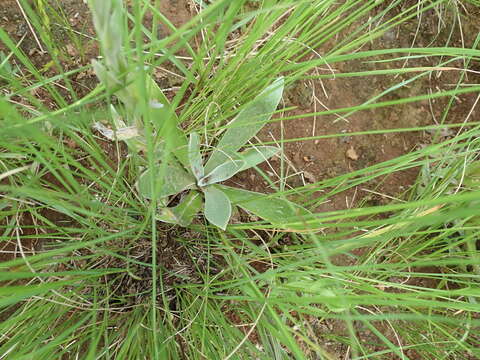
321	159
312	160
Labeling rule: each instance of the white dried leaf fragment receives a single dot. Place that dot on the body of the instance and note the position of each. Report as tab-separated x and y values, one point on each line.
122	134
127	133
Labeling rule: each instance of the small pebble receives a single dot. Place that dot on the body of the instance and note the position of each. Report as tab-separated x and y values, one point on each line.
309	177
352	154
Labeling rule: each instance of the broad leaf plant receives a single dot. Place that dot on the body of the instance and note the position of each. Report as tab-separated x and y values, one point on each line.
186	175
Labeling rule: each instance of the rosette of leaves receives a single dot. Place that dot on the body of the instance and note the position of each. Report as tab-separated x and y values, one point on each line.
185	174
202	180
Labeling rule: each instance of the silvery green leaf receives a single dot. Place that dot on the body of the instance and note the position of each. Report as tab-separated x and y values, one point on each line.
108	18
277	211
194	156
129	134
114	84
222	172
117	119
183	213
218	208
247	124
105	76
161	114
166	118
257	155
169	179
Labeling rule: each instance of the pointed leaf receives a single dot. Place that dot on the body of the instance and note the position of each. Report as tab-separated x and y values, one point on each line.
257	155
194	156
135	144
108	18
159	107
218	208
174	179
106	77
247	124
279	212
183	213
161	114
168	121
222	172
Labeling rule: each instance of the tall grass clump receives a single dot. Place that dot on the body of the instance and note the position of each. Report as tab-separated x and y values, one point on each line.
120	239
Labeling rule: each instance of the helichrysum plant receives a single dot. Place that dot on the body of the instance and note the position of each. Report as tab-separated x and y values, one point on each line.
198	182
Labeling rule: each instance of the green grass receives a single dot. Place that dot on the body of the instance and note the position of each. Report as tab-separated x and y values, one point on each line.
81	280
